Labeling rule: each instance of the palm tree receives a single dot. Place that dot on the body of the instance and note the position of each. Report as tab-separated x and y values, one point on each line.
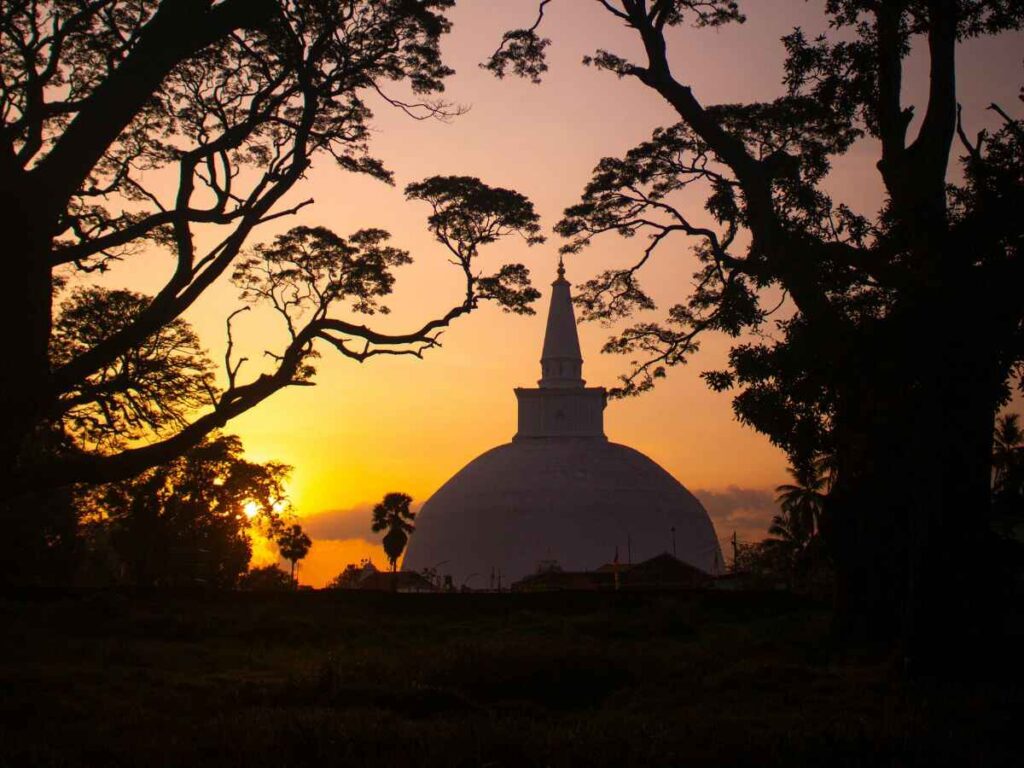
394	516
784	533
801	502
826	466
1007	450
793	542
293	544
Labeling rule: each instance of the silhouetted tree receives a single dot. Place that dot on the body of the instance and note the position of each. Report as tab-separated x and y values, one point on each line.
1008	487
348	578
1008	454
105	101
763	563
394	516
796	533
267	578
149	389
294	544
787	531
186	521
801	502
858	369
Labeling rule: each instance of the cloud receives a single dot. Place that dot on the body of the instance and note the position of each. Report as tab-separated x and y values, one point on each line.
340	537
747	511
353	523
344	524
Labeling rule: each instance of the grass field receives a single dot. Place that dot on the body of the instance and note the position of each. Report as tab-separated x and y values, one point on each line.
472	680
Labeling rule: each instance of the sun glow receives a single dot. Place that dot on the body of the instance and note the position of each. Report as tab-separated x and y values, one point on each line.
251	509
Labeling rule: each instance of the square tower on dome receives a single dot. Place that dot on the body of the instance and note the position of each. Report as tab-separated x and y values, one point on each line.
562	405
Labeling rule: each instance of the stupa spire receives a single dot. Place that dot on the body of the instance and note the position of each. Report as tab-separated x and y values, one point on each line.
562	405
561	363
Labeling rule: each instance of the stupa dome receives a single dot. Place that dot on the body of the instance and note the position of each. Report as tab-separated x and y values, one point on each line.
560	491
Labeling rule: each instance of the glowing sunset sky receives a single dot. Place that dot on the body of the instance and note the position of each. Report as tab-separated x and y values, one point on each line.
407	425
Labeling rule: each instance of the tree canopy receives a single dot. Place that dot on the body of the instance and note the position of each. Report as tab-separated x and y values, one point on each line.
763	166
293	543
888	341
191	520
151	388
139	128
181	128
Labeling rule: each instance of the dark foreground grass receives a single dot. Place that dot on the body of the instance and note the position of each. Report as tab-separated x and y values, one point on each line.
473	680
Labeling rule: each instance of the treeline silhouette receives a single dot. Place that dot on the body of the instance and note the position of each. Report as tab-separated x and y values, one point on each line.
795	553
191	522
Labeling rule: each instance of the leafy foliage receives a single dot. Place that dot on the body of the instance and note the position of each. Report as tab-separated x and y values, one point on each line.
308	268
267	578
147	390
793	554
1008	481
185	522
1008	452
348	578
522	51
468	214
305	273
801	503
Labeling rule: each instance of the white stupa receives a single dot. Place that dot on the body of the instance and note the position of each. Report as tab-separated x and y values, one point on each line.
560	491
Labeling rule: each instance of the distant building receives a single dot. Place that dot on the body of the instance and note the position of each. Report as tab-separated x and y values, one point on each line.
664	572
400	581
661	572
366	577
566	581
560	490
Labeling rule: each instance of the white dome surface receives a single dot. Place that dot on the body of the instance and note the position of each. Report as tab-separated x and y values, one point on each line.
572	500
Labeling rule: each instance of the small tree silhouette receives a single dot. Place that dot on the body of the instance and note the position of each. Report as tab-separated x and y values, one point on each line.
394	516
266	578
802	502
1007	451
294	544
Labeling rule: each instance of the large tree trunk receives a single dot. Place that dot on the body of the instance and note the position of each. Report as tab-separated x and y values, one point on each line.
25	314
908	516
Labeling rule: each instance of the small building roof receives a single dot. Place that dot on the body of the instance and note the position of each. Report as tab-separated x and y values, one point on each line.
401	581
659	572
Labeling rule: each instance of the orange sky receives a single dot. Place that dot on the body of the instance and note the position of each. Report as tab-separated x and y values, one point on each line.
407	425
